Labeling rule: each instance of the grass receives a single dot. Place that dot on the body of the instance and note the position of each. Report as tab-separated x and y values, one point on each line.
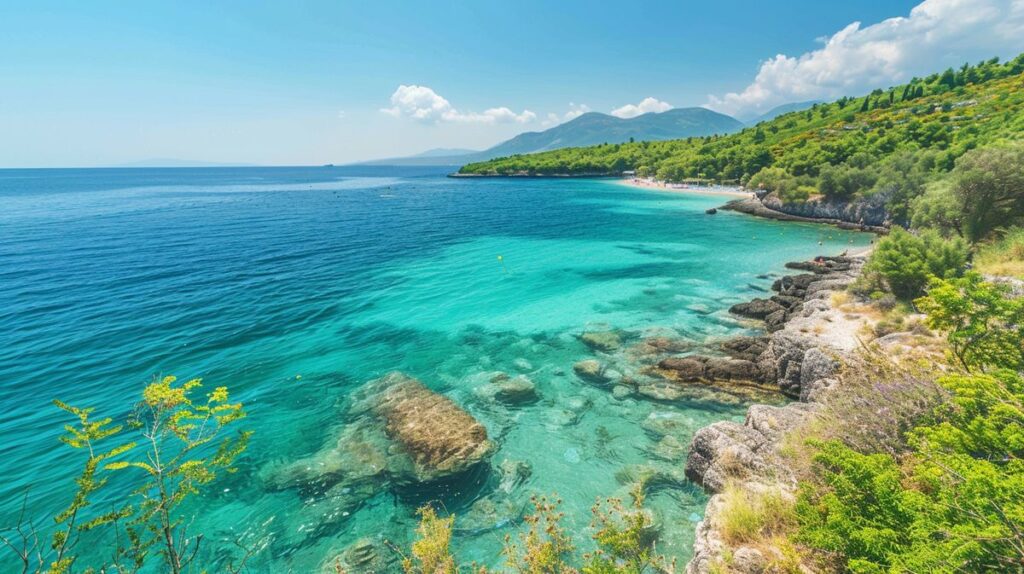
1004	256
749	517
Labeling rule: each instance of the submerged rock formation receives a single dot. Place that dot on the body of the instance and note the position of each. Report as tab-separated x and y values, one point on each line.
400	433
439	437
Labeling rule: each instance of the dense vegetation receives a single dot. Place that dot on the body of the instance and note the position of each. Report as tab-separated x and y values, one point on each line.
889	142
951	499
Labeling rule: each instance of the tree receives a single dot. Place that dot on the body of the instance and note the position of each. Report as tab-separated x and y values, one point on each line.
906	262
179	451
989	186
984	326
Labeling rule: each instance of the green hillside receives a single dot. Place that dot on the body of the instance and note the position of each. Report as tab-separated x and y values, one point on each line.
841	149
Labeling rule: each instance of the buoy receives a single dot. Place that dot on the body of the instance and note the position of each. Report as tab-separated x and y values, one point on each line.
502	261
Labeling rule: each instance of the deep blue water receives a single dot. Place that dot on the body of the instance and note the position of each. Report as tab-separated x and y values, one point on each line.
293	286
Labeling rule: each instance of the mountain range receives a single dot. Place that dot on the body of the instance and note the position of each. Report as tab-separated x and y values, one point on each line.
595	128
591	128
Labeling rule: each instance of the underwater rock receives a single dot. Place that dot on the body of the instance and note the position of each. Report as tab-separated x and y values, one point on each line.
669	449
591	371
661	424
651	476
402	431
363	555
360	454
490	513
439	436
512	391
513	474
606	341
522	364
621	392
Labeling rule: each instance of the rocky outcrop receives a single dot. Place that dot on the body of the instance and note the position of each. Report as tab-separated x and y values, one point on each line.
867	214
800	356
868	211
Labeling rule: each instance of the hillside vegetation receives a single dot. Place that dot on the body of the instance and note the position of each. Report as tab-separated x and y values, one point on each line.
890	141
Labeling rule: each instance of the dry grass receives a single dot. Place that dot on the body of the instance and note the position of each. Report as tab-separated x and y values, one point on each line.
1002	257
748	517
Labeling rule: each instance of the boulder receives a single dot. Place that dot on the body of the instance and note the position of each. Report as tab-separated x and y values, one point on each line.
756	308
722	451
787	301
591	371
794	285
776	321
606	341
773	422
747	348
512	391
814	367
683	368
722	369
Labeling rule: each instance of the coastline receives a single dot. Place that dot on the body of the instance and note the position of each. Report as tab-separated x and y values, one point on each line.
804	355
721	191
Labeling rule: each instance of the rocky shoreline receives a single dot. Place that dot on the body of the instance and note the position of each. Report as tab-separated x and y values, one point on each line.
807	339
841	214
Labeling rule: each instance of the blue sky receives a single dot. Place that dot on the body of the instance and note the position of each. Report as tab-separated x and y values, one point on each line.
107	83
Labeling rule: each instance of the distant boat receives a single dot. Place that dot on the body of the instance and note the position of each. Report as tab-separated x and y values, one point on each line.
328	165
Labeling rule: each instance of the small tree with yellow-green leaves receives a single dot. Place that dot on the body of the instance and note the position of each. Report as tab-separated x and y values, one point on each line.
182	447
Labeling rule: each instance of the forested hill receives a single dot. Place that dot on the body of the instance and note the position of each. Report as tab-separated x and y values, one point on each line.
595	128
843	148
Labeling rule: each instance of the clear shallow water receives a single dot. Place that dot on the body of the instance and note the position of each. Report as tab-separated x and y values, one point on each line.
254	277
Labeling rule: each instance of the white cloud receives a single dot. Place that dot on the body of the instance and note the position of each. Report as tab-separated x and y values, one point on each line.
645	106
424	104
936	34
575	111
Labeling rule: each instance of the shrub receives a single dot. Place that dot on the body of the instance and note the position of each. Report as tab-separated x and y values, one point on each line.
953	501
905	261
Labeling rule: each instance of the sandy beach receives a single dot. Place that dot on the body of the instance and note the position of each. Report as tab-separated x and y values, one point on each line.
662	186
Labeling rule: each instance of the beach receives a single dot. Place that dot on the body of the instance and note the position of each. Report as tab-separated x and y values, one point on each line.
648	183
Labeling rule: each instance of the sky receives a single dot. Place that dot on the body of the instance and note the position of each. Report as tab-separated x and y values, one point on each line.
104	83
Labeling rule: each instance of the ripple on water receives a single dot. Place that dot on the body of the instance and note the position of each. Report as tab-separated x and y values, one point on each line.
295	286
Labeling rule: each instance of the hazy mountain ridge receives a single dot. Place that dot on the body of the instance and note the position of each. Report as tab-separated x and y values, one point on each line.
589	129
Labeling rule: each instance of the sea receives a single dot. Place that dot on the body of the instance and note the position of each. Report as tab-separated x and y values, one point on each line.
295	286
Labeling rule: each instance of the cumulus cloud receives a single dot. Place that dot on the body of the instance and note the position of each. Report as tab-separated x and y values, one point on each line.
424	104
936	34
646	105
575	111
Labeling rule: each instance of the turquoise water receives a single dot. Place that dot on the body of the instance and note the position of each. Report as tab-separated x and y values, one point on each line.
294	286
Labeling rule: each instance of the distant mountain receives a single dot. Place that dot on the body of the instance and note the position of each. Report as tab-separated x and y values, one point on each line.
445	152
783	109
595	128
589	129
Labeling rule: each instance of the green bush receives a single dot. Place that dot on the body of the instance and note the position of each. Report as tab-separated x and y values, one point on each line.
905	262
952	500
